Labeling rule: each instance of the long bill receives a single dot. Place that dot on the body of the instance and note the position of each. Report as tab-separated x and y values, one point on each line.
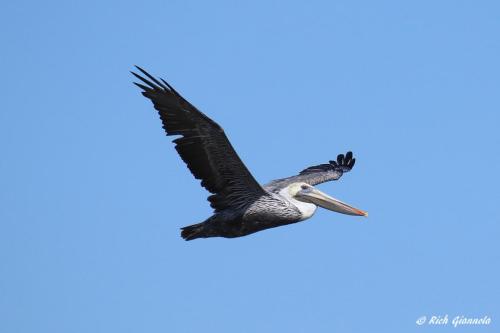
319	198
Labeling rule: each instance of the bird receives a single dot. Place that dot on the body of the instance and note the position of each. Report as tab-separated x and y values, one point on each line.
241	206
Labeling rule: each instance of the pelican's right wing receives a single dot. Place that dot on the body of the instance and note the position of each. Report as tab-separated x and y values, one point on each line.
203	146
316	174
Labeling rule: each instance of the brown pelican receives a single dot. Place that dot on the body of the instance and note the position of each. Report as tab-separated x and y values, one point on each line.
241	206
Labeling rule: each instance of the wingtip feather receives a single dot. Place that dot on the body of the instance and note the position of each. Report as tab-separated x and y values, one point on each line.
143	87
151	77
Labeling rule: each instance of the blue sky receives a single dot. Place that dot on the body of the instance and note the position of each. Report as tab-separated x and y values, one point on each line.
93	194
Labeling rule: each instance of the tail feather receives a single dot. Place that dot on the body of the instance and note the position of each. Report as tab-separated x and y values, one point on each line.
192	231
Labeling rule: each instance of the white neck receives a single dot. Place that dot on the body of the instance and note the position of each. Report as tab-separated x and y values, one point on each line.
306	209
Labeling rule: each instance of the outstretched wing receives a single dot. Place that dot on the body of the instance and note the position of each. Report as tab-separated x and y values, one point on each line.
203	146
316	174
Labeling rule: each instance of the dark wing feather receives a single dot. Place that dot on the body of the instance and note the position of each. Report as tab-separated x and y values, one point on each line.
316	174
203	146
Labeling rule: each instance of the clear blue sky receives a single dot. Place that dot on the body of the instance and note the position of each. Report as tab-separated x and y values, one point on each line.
93	194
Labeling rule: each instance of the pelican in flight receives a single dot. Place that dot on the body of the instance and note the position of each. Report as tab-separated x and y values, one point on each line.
241	205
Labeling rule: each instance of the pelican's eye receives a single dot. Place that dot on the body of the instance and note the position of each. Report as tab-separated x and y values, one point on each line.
304	187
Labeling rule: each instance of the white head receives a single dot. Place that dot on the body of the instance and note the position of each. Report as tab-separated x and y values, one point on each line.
307	198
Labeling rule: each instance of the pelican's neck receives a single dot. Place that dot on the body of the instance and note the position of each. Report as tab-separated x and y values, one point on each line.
306	209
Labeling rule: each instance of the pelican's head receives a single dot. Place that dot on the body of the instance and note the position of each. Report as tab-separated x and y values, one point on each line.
306	193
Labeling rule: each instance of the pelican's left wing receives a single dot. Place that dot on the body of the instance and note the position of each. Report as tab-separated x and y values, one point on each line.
203	146
316	174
